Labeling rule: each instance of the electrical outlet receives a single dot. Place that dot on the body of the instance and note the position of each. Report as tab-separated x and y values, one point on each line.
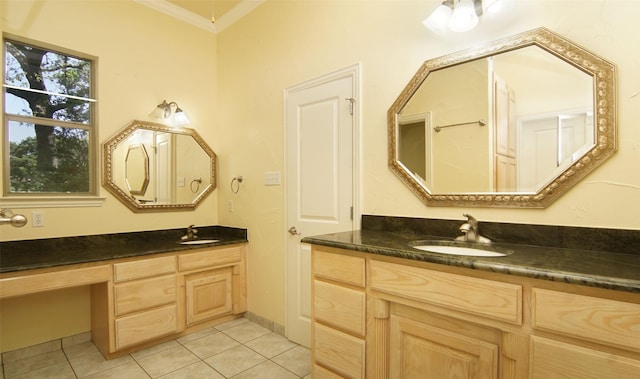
37	219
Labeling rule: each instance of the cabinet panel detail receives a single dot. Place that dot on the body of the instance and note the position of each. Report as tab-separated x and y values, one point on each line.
341	268
419	350
601	320
341	307
208	259
143	294
552	359
140	327
339	351
144	268
208	295
496	300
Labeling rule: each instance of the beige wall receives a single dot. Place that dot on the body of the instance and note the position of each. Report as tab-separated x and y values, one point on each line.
143	57
283	43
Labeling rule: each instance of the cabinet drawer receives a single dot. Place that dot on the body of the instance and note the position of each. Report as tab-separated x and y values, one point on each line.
144	268
210	258
145	326
496	300
552	359
143	294
338	267
341	307
613	322
339	351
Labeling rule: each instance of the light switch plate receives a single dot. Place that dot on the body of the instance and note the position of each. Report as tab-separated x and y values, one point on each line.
272	178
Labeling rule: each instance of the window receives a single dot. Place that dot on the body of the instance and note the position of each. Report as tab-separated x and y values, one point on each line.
49	121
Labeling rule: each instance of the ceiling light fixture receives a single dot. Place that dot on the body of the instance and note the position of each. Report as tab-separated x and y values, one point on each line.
459	15
170	114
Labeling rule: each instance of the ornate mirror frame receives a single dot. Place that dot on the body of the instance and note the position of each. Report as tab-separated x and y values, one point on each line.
604	77
125	196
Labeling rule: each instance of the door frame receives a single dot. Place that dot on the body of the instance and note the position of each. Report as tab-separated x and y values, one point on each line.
352	71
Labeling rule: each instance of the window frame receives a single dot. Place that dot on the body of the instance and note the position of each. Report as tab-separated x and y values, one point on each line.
89	198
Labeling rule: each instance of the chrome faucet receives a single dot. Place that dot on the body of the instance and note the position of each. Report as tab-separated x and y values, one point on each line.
470	231
191	235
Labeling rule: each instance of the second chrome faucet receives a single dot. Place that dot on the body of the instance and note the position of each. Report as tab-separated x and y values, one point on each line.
470	232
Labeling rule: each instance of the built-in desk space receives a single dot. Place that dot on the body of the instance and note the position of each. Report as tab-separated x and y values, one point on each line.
145	287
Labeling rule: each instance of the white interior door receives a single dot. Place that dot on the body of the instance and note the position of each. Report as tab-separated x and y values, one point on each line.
320	126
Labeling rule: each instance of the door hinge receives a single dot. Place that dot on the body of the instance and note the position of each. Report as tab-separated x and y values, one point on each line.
351	101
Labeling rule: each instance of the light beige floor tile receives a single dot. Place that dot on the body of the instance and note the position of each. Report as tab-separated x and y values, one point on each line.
60	370
199	370
210	345
129	370
297	360
246	332
199	334
232	323
33	363
155	349
86	360
270	345
266	370
31	351
234	361
167	361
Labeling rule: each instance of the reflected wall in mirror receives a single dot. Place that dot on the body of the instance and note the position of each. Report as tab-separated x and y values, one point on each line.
153	167
513	124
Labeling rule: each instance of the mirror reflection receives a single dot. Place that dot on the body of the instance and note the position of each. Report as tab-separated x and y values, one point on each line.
150	166
503	123
506	123
136	173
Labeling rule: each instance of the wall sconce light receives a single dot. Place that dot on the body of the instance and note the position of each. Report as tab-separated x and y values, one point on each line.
459	15
170	114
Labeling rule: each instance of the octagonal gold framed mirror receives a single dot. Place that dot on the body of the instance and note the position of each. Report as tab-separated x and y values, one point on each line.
515	123
153	167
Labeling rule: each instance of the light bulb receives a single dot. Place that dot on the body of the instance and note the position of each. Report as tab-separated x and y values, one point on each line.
439	19
464	17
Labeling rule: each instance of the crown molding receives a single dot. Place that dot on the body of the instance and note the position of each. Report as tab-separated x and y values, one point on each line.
233	15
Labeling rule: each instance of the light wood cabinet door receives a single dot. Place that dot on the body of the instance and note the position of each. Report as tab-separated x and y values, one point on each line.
418	350
208	295
557	360
144	294
342	308
145	326
342	353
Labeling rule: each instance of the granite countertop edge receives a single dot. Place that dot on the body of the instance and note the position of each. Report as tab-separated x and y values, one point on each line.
614	271
18	256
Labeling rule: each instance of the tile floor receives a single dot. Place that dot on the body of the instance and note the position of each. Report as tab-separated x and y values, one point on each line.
237	349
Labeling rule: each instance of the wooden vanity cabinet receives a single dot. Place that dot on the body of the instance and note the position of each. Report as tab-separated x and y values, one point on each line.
214	284
150	299
144	298
385	317
584	336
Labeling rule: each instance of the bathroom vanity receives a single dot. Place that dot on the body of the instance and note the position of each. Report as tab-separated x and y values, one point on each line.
382	309
145	287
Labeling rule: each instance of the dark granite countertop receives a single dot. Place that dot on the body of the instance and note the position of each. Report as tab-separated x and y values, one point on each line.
616	271
52	252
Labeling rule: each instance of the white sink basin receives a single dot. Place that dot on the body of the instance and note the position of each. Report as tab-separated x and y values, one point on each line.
462	250
198	242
